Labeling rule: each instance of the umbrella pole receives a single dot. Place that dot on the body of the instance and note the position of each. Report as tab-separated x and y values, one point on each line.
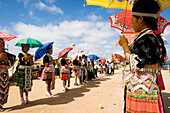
125	17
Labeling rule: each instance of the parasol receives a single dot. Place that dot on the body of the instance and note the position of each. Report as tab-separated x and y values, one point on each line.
121	4
93	57
83	53
42	50
6	37
74	55
64	51
32	42
117	21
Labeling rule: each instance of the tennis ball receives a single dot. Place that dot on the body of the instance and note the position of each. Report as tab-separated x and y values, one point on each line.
73	44
100	105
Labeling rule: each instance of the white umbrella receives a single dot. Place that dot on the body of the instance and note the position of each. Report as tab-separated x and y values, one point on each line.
165	40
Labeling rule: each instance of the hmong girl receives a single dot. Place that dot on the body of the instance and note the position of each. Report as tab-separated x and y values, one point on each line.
48	74
24	78
64	72
76	71
144	55
4	77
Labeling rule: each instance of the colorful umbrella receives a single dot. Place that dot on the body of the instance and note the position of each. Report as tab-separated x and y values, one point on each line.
42	50
64	51
103	60
108	60
83	53
93	57
121	4
117	21
6	37
74	55
32	42
111	4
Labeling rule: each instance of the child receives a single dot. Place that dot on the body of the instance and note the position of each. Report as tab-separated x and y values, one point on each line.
48	74
24	78
76	71
64	72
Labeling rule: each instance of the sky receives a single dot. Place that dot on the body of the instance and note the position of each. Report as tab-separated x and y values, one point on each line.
64	22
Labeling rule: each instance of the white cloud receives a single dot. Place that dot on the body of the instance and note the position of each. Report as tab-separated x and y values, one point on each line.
26	2
108	46
31	13
95	37
4	29
52	9
41	6
94	17
50	1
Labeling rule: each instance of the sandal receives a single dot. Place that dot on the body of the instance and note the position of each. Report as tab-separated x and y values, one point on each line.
67	89
49	94
27	102
23	103
76	84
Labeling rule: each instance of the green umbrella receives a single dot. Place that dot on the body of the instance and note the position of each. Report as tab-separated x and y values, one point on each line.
32	42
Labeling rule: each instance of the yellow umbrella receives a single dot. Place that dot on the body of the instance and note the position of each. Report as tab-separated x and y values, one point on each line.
164	4
121	4
108	60
111	4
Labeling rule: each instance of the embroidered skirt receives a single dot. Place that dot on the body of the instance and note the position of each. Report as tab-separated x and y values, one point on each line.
24	78
4	85
46	76
64	76
140	101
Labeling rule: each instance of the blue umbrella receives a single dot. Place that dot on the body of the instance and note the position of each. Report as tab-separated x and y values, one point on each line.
42	50
93	57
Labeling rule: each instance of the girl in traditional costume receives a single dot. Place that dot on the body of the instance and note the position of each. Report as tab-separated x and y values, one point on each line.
4	77
24	78
48	73
64	72
144	56
75	69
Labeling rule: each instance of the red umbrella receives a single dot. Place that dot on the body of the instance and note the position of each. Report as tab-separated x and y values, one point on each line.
83	53
64	51
117	21
74	55
103	60
6	37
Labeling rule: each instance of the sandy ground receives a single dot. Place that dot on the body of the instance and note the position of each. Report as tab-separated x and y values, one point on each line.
105	90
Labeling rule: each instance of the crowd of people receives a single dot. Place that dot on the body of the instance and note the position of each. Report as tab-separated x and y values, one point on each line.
81	68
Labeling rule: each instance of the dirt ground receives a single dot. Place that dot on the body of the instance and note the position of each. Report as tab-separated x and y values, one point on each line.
105	90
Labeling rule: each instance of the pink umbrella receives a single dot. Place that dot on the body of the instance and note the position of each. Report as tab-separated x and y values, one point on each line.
129	37
74	55
6	37
83	53
64	51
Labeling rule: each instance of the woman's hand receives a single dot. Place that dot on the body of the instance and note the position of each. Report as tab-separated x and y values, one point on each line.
118	57
29	57
3	56
123	41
